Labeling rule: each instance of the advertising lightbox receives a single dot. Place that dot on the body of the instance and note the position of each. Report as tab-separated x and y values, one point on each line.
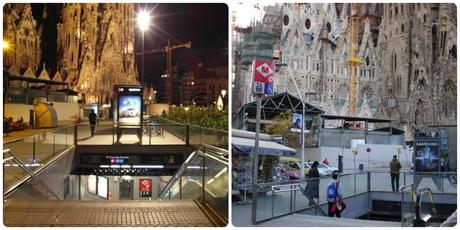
92	184
129	110
102	186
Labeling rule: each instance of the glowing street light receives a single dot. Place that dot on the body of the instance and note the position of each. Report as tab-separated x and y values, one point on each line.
143	22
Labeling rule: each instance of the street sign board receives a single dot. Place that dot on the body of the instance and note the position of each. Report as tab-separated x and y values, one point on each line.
264	77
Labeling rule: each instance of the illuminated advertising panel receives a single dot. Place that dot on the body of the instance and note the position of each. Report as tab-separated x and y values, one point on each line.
92	184
129	110
102	186
145	187
426	155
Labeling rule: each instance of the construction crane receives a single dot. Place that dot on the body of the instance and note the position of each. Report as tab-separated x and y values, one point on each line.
353	60
169	65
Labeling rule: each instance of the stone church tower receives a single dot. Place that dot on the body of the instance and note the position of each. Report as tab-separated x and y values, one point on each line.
314	42
417	67
96	48
22	34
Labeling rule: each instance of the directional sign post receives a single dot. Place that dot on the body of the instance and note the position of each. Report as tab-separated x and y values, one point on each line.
264	77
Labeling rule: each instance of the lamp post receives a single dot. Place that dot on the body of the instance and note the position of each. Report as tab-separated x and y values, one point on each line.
143	22
302	131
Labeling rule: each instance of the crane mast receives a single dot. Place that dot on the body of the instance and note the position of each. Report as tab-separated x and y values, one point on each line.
353	60
169	65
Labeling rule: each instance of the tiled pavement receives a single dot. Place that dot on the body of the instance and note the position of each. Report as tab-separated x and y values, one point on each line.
179	213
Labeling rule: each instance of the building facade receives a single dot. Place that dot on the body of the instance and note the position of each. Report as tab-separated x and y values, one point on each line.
408	52
417	63
23	35
96	48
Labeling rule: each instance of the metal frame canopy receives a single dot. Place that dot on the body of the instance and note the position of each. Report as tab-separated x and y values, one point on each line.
346	118
274	105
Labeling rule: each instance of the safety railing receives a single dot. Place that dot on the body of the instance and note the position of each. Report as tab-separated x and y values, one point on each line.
295	192
425	208
200	135
204	177
352	184
311	195
407	205
9	189
34	152
146	134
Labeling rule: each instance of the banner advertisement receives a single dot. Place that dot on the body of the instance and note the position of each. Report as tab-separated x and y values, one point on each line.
426	156
145	187
296	125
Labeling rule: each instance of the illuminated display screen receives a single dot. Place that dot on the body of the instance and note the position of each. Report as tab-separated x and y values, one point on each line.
102	186
92	184
129	110
117	159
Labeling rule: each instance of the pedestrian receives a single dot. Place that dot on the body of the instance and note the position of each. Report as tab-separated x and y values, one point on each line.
334	196
326	162
312	188
395	166
92	121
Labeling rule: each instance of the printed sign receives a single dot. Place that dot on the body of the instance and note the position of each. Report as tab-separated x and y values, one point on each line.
296	125
145	187
264	77
426	156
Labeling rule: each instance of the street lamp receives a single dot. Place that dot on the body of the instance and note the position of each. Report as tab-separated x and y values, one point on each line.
302	131
143	22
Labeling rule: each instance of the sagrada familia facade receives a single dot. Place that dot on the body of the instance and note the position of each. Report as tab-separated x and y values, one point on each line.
95	46
408	52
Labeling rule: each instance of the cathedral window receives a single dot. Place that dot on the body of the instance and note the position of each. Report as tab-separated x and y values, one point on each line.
402	28
286	20
402	9
307	23
329	27
396	11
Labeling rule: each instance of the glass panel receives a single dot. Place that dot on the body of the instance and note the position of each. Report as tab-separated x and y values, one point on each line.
428	180
408	207
348	182
264	203
361	183
192	179
43	147
449	182
381	181
216	185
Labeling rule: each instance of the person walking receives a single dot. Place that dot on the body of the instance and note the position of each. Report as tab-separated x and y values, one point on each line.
313	183
334	195
92	121
395	166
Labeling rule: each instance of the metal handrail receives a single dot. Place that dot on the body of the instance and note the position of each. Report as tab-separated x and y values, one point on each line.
418	203
9	191
205	151
402	189
292	188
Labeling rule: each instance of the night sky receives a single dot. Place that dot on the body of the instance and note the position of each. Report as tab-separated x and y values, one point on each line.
205	25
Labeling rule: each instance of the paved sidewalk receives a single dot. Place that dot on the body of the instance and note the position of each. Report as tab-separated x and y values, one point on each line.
177	213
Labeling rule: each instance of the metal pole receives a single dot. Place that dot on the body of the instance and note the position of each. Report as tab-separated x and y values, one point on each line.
302	134
142	59
256	161
204	181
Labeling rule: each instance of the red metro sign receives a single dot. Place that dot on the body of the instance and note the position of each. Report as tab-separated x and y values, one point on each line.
264	77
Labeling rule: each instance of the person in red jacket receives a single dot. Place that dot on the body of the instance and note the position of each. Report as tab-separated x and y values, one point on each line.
326	162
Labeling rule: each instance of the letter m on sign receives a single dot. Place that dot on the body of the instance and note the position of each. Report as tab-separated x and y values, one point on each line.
263	71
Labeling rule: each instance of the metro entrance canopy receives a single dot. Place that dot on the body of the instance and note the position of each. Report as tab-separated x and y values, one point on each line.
272	106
